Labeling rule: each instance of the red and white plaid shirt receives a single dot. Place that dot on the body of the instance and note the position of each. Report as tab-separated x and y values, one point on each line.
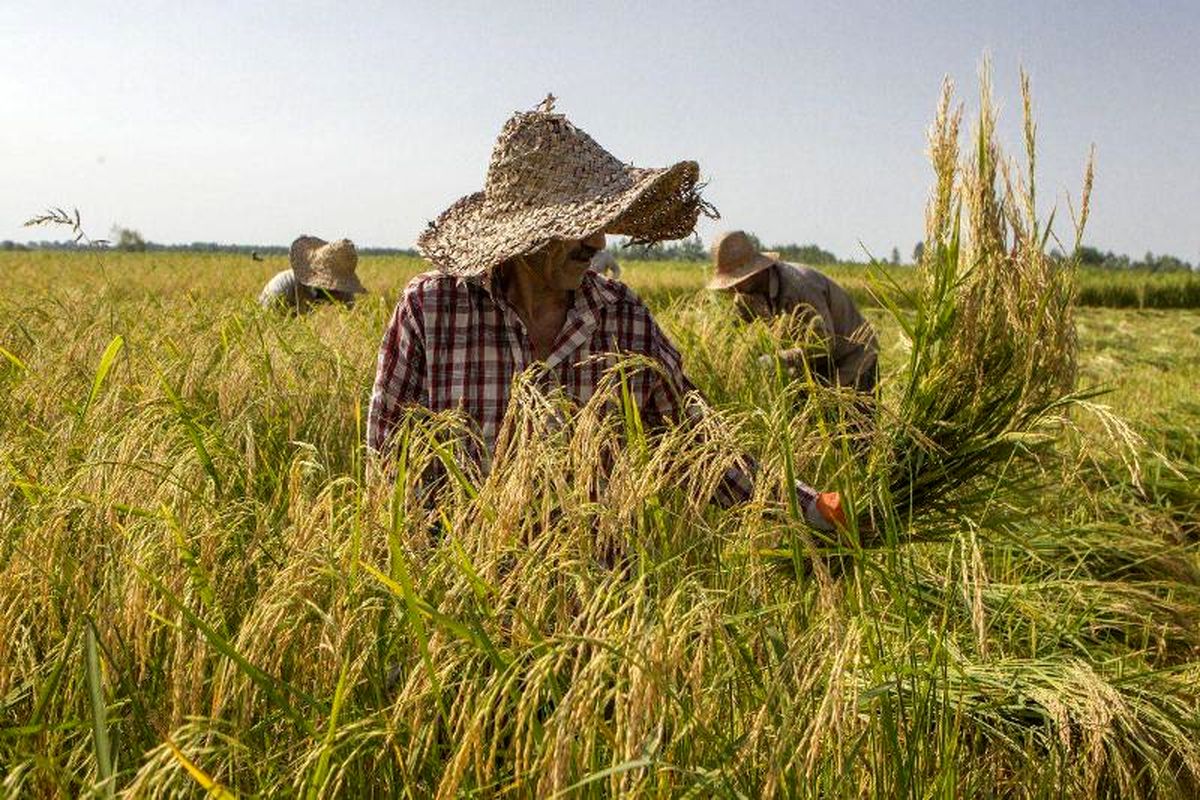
455	343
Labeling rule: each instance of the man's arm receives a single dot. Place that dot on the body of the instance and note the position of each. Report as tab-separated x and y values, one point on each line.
400	369
855	346
795	359
282	292
858	367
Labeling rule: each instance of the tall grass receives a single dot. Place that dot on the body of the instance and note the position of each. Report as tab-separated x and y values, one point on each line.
200	577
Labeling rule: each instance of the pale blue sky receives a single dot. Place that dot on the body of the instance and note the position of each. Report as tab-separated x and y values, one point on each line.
255	122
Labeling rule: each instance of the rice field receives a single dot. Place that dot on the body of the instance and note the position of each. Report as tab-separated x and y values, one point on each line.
207	588
199	588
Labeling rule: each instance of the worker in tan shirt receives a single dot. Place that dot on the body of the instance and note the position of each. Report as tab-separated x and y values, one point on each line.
766	287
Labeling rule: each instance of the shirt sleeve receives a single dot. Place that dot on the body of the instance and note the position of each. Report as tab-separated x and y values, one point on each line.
855	347
280	290
400	369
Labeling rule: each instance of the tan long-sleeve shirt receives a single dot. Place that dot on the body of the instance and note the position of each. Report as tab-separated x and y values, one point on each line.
851	350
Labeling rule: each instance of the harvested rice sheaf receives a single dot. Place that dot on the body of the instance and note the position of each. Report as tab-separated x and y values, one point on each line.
990	333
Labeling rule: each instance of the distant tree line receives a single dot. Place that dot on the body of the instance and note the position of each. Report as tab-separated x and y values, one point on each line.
131	241
690	249
1092	257
805	254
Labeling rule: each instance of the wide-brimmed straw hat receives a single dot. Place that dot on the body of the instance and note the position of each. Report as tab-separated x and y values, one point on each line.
326	265
737	260
549	181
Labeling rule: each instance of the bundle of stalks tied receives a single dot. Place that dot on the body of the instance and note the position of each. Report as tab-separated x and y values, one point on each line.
990	335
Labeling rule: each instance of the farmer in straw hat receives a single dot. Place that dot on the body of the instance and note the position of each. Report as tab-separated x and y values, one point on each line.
513	289
766	287
320	272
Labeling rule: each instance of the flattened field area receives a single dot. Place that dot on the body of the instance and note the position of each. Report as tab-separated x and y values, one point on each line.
203	588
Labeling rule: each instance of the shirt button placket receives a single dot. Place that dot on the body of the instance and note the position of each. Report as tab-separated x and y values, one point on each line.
518	340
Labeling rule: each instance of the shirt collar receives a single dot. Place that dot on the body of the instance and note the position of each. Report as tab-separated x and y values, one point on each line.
593	295
594	292
773	286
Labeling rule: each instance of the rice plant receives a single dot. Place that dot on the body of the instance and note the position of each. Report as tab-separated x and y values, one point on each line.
991	339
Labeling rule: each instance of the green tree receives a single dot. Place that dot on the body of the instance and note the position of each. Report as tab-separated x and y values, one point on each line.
128	239
1090	256
806	254
755	241
691	249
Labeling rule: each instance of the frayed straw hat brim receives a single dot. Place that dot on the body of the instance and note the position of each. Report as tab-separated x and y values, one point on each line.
315	264
350	284
729	280
645	204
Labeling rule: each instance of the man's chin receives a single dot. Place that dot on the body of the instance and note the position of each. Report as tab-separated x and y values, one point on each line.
573	272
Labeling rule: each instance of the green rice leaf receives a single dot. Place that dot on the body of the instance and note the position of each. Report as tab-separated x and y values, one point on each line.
275	689
201	777
102	369
100	739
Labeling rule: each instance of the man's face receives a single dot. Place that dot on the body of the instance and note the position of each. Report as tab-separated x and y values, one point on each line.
568	261
759	283
321	295
751	295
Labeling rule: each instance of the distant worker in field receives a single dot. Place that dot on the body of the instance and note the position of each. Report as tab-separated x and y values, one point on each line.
766	287
604	263
321	272
514	289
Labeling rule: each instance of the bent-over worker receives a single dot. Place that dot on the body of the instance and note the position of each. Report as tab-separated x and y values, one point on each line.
320	272
766	287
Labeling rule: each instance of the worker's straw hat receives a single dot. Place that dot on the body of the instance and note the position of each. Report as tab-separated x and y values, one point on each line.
549	181
737	259
326	265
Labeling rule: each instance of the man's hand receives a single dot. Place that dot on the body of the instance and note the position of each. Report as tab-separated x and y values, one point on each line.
825	512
